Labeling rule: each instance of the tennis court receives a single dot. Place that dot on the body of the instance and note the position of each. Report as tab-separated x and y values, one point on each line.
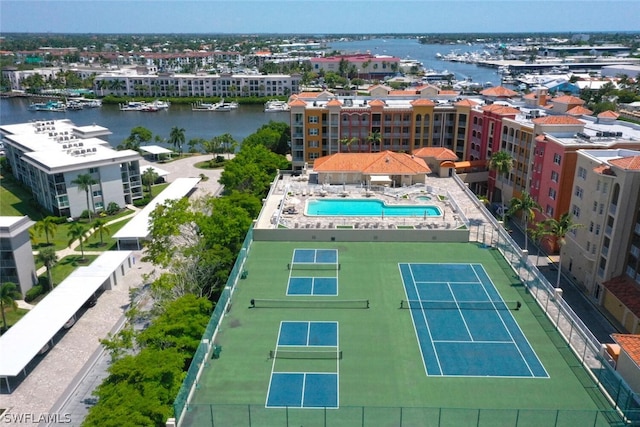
369	368
308	382
463	326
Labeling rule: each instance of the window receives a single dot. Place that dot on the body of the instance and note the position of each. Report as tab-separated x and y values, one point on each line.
313	119
591	227
313	144
97	193
575	211
557	158
552	193
93	170
313	132
554	176
578	192
598	186
605	187
588	246
313	156
582	172
597	229
595	206
549	210
601	210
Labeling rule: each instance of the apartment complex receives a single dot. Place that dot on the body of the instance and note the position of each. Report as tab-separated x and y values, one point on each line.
604	254
366	66
323	124
16	256
138	82
47	156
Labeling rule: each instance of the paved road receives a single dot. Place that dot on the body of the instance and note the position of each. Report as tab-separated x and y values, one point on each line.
62	381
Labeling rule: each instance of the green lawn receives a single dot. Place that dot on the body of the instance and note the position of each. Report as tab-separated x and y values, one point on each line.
64	268
16	200
13	316
382	369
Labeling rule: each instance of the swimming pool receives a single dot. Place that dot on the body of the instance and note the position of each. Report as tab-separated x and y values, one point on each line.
369	207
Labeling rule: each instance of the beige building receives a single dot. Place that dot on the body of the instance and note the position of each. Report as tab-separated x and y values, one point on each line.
604	254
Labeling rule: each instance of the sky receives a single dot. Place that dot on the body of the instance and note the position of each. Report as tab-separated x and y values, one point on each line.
318	16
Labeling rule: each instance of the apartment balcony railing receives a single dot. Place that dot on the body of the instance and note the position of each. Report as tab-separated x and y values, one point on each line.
608	230
612	209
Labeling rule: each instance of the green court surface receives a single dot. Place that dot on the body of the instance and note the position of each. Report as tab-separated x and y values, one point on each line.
381	376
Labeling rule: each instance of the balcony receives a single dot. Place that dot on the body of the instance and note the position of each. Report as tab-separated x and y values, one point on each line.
612	209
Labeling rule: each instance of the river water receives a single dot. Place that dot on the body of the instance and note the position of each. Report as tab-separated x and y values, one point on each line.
245	120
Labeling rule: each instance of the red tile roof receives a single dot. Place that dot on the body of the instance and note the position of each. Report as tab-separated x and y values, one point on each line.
628	163
630	344
386	162
466	103
608	115
377	103
499	91
579	111
297	103
623	288
422	103
502	110
603	170
568	99
334	103
557	120
439	153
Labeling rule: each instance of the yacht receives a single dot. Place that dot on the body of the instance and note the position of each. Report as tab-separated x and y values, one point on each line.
275	105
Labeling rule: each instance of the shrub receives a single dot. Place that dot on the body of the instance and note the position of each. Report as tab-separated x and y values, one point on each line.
60	220
141	202
113	208
33	293
85	214
204	177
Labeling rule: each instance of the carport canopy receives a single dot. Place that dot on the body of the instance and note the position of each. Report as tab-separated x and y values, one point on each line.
155	150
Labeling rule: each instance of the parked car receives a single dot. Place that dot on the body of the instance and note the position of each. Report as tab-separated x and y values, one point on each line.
69	323
44	349
93	300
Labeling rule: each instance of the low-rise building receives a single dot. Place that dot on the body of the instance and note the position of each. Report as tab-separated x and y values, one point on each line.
16	256
47	156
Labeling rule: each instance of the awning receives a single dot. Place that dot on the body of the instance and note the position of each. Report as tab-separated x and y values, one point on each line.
379	178
470	164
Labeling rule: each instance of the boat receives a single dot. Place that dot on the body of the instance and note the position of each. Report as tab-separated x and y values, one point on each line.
74	106
145	106
87	103
274	106
218	106
48	106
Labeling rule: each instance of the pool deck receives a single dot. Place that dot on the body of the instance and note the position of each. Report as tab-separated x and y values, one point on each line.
285	206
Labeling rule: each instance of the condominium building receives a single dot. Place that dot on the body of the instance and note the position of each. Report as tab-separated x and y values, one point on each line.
604	254
130	83
48	156
366	66
16	256
323	123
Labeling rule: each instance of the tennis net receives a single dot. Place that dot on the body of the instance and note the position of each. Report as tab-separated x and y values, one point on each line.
313	266
305	354
460	305
315	303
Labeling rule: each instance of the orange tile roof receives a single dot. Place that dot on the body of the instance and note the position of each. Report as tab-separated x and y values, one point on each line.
623	288
557	120
630	344
499	91
603	170
297	103
465	103
500	109
423	87
579	111
334	103
377	103
440	153
568	99
628	163
386	162
608	115
309	94
422	103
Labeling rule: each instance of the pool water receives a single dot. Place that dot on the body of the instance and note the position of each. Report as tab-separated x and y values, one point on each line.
370	207
423	198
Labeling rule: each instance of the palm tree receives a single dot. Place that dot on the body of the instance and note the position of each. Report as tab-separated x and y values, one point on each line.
212	146
537	234
85	182
149	177
228	143
100	225
502	163
176	138
528	207
8	295
76	232
348	141
48	226
48	257
559	228
374	139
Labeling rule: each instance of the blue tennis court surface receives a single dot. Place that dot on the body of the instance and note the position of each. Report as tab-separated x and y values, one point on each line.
308	334
315	256
312	286
462	324
307	389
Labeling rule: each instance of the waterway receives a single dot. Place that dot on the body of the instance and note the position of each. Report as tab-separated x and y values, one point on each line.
245	120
